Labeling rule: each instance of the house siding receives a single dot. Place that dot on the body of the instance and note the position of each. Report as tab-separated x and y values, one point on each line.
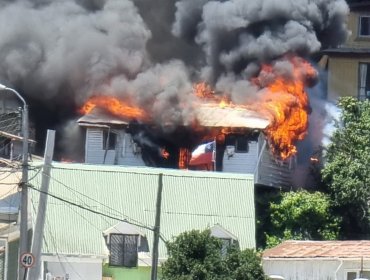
271	171
343	76
313	269
122	155
137	273
343	68
354	40
73	268
242	162
303	269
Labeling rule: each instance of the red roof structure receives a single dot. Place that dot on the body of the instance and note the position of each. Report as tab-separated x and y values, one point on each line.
320	249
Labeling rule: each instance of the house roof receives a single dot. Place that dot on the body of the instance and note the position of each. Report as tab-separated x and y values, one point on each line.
320	249
346	50
190	200
208	115
235	117
101	118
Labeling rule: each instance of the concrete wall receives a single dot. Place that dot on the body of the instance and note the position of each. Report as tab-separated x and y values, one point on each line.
74	268
120	273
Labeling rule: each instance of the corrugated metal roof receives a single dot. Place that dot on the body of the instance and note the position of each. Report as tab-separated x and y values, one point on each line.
208	115
320	249
190	200
236	117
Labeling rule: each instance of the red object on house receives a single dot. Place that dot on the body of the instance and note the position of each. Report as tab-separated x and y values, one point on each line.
203	154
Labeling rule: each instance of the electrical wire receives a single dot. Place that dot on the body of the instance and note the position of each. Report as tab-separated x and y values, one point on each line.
88	209
96	201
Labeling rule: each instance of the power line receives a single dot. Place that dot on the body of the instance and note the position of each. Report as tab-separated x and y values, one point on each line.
88	209
94	200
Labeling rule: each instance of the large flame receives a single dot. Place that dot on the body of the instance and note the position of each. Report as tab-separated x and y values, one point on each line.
285	103
115	106
281	98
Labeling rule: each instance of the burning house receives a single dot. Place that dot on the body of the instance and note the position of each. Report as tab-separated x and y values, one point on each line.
256	138
173	71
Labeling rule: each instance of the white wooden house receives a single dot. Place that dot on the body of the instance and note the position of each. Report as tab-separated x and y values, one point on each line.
318	260
109	142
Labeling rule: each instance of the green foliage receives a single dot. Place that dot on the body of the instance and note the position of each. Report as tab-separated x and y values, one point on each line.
244	265
196	255
347	168
302	215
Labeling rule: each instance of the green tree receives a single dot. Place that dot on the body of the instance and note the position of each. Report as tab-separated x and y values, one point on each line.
302	215
347	168
196	255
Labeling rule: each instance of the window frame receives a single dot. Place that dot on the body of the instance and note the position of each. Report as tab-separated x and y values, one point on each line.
107	134
363	81
359	33
122	264
356	271
235	140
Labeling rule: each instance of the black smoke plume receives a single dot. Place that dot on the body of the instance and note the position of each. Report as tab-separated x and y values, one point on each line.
57	53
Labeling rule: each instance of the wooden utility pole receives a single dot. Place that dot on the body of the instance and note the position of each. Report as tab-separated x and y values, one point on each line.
34	272
156	229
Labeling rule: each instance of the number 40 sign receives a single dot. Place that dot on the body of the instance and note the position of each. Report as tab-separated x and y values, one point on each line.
27	260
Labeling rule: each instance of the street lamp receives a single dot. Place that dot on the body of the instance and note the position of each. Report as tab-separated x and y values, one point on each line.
23	246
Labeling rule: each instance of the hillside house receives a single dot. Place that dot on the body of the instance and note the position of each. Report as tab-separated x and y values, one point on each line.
118	211
110	140
10	127
318	260
348	66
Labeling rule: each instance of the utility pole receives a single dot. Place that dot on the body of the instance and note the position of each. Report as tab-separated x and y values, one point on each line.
23	239
40	219
156	229
23	242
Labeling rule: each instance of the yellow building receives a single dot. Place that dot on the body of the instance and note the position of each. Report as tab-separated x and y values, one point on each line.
349	65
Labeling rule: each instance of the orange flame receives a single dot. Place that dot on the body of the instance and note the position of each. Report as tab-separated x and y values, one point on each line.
164	153
184	157
115	106
285	102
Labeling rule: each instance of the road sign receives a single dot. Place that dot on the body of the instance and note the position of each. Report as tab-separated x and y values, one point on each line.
27	260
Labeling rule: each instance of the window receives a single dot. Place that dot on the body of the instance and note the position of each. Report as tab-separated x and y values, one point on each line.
352	275
227	238
123	249
109	140
364	81
240	142
364	26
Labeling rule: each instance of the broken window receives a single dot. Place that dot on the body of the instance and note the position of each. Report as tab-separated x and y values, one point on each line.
240	142
109	140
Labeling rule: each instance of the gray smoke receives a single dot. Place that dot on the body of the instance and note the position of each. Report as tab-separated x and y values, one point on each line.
55	49
152	51
235	33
